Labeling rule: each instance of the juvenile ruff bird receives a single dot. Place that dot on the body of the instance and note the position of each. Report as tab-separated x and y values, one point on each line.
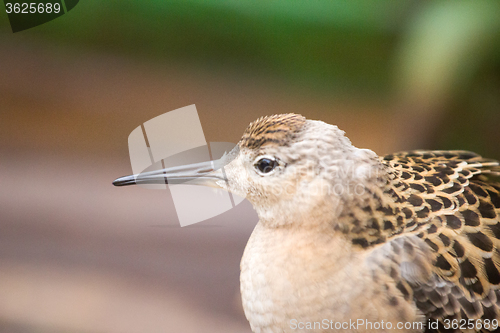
346	238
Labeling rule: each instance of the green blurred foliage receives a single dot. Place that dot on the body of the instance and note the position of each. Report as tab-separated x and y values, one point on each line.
447	45
333	44
442	55
449	64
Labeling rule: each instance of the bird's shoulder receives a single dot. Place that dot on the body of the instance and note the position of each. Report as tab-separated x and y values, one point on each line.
423	192
445	194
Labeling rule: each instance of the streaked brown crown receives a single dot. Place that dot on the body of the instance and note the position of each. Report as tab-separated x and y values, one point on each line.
277	129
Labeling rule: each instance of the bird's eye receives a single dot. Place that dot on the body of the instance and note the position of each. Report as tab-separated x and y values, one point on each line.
266	165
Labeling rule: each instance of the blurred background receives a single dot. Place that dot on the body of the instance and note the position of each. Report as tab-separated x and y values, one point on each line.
78	255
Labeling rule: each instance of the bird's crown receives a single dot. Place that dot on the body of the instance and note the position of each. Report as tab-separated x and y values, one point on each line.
276	129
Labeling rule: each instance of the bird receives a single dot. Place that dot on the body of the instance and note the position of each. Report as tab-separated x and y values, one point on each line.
349	241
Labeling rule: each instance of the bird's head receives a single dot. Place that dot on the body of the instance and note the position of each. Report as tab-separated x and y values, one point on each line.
288	167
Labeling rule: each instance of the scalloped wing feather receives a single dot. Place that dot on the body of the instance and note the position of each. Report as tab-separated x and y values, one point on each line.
450	200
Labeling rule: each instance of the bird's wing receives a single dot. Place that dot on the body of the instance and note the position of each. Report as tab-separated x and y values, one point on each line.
449	201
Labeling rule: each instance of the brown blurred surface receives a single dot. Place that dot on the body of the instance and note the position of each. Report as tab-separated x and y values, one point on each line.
79	255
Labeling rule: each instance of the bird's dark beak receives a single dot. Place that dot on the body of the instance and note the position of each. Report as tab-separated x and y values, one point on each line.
204	173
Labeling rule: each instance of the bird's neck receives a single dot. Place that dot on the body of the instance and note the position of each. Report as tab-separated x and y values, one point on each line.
352	181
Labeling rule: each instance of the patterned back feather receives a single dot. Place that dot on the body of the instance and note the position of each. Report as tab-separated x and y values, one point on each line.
450	200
